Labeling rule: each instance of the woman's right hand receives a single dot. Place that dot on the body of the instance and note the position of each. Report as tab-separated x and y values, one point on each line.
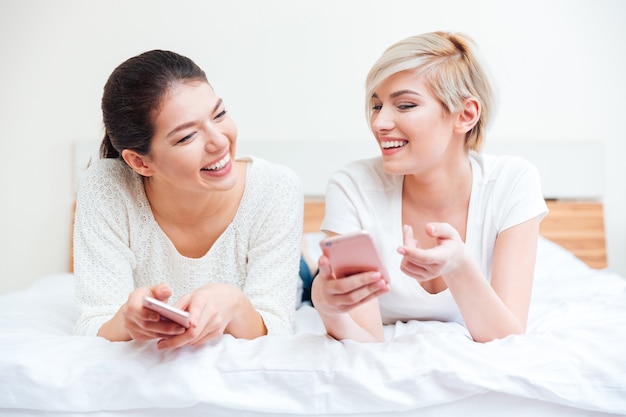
348	306
332	296
133	321
143	323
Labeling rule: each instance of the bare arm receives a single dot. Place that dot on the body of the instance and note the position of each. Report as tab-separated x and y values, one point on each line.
490	311
504	305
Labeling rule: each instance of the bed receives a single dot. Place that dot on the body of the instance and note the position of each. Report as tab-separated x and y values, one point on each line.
571	362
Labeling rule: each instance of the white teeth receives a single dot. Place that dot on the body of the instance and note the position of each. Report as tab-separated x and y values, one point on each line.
393	144
219	164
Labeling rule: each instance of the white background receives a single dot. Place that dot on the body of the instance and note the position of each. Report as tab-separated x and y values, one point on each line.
292	70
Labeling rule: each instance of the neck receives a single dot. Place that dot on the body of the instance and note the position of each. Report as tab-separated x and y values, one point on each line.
181	207
439	190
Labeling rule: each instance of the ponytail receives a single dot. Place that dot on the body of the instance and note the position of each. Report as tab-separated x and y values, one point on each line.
106	148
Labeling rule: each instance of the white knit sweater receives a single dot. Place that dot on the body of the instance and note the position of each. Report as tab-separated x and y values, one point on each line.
118	245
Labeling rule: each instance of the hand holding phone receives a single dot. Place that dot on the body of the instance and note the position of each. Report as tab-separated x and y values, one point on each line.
167	311
353	253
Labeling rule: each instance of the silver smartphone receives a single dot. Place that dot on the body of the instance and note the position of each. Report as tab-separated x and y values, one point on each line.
167	311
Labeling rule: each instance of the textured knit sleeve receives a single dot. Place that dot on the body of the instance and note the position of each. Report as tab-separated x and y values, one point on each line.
275	248
103	261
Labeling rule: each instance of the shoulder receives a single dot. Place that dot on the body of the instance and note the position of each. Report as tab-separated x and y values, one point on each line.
264	169
510	186
108	182
270	179
366	174
108	172
502	168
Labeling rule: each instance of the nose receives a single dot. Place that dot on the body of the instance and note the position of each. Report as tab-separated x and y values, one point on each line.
215	139
381	120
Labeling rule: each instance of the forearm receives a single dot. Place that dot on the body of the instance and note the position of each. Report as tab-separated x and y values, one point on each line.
343	326
486	316
246	322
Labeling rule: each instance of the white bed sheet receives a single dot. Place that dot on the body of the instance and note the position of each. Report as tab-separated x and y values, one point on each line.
572	361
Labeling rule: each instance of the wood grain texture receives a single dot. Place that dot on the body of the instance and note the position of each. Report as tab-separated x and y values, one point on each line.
314	210
577	226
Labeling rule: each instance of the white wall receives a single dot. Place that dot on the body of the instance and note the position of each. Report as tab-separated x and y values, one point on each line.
287	69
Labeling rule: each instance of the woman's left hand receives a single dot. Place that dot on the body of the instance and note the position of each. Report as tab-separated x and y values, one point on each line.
211	309
449	254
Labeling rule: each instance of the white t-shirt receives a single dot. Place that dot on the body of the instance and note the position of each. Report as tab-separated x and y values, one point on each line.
506	191
118	245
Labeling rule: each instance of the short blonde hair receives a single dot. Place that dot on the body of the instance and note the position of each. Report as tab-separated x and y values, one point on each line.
452	68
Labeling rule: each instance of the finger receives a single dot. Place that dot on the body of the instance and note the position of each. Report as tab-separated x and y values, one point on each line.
408	237
161	291
135	298
134	311
148	330
442	231
148	335
415	271
347	285
324	268
375	295
349	300
170	343
189	338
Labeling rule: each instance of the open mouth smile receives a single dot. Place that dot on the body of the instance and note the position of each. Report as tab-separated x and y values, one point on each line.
219	164
391	144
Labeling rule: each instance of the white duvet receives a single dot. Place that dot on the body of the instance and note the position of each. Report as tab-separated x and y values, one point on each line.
573	355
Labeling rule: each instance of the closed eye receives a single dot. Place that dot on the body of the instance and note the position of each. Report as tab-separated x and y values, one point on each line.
220	115
186	138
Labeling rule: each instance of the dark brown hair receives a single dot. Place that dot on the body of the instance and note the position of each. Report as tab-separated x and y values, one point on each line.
132	95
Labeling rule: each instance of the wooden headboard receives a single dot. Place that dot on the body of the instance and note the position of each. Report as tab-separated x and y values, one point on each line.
578	226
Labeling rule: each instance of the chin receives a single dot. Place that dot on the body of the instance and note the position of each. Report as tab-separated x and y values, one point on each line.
394	168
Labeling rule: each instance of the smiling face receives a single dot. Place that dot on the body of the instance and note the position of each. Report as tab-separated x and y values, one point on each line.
193	146
414	132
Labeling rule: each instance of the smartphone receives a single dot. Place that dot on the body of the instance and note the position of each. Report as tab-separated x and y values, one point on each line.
353	253
167	311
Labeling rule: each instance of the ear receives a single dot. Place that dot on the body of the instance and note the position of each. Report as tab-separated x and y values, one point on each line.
468	117
139	163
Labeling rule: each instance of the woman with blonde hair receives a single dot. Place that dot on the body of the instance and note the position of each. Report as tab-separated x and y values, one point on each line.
457	229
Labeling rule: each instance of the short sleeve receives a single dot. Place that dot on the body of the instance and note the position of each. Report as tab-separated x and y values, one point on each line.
341	214
523	195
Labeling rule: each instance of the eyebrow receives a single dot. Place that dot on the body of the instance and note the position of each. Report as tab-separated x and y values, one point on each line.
192	123
399	93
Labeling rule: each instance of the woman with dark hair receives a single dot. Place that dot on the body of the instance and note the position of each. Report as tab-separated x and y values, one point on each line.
169	212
